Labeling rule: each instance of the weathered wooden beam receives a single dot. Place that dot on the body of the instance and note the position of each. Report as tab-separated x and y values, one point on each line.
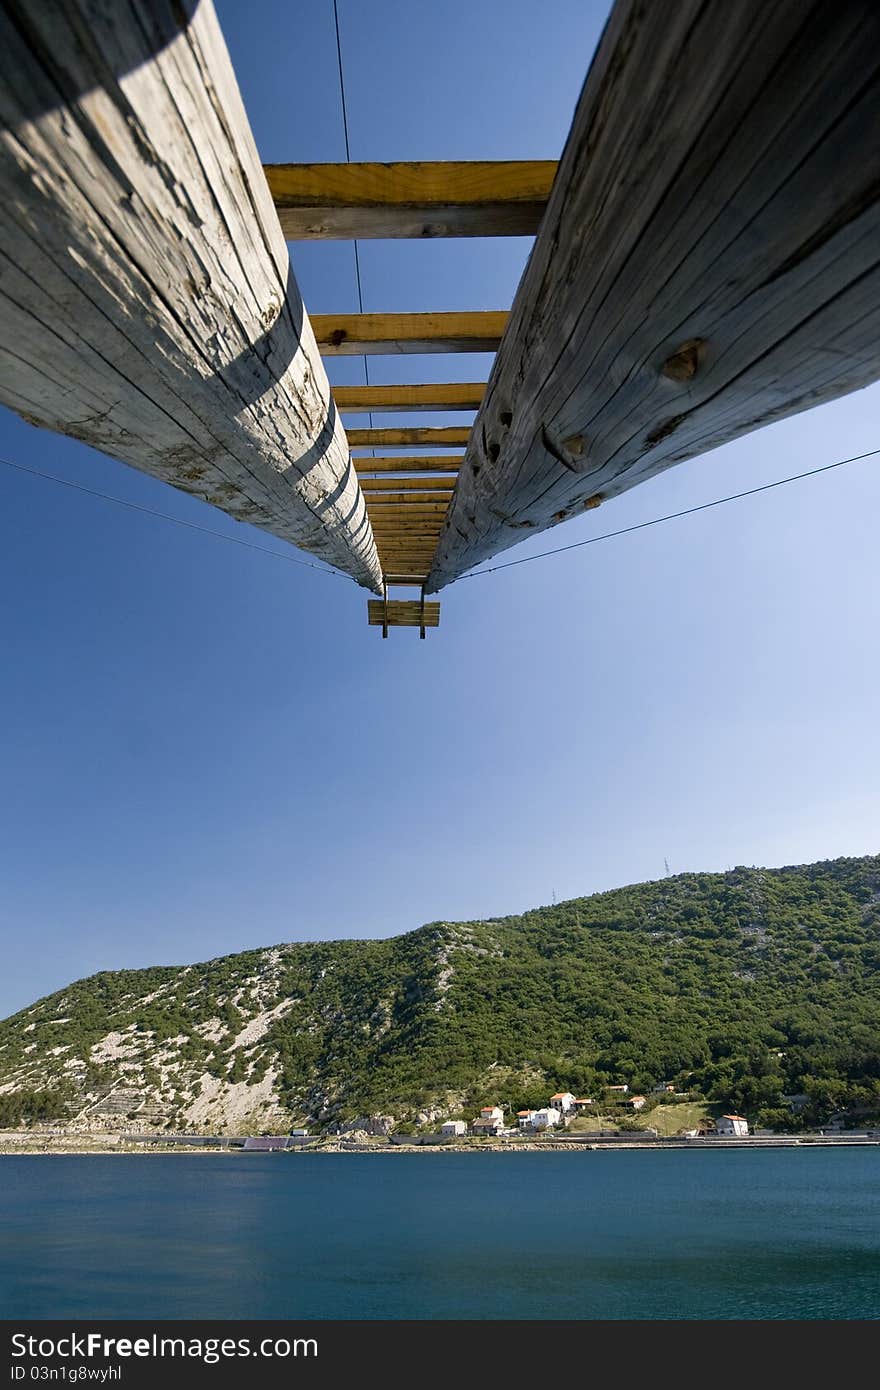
356	335
419	533
445	395
356	201
427	484
406	496
439	437
410	509
418	530
408	538
406	564
709	260
403	613
148	304
415	463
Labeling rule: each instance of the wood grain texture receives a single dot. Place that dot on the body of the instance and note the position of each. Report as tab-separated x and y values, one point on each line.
357	335
437	437
148	304
415	463
445	395
426	484
709	260
356	201
403	613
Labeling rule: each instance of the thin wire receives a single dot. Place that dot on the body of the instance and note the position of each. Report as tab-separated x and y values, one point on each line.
672	516
509	564
176	520
357	259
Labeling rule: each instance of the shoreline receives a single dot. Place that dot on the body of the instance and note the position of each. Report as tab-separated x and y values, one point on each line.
34	1146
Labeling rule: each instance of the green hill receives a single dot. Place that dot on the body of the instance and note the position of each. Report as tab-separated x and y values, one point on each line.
742	987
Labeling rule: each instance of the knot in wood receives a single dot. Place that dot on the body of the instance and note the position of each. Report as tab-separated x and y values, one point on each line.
684	363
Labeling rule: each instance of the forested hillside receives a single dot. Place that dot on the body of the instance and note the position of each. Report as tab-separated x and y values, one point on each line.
744	987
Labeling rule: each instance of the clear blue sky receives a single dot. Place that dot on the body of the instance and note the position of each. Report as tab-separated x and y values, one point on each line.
205	748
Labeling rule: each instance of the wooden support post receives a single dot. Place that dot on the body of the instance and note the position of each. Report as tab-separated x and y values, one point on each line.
148	303
709	260
355	201
446	395
354	335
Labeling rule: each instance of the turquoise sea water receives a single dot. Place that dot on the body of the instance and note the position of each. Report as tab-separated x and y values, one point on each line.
779	1234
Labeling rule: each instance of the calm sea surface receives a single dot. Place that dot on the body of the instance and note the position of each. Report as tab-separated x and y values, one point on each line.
784	1234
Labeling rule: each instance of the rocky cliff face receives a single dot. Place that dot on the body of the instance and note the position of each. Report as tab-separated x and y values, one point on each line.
748	986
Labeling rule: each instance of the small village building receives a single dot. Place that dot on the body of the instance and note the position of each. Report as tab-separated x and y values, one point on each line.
584	1104
563	1100
620	1090
635	1102
524	1118
299	1134
487	1127
451	1129
548	1118
732	1125
491	1112
664	1086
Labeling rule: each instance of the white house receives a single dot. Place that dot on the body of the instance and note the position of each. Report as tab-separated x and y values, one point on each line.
635	1102
548	1118
492	1112
732	1125
524	1118
618	1090
487	1126
451	1129
563	1100
299	1134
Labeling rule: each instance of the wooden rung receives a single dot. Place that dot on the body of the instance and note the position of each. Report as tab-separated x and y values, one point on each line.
407	485
439	438
398	515
353	335
402	613
405	512
460	395
425	463
354	201
406	499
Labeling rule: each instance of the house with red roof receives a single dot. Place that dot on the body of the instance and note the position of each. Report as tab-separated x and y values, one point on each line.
734	1126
